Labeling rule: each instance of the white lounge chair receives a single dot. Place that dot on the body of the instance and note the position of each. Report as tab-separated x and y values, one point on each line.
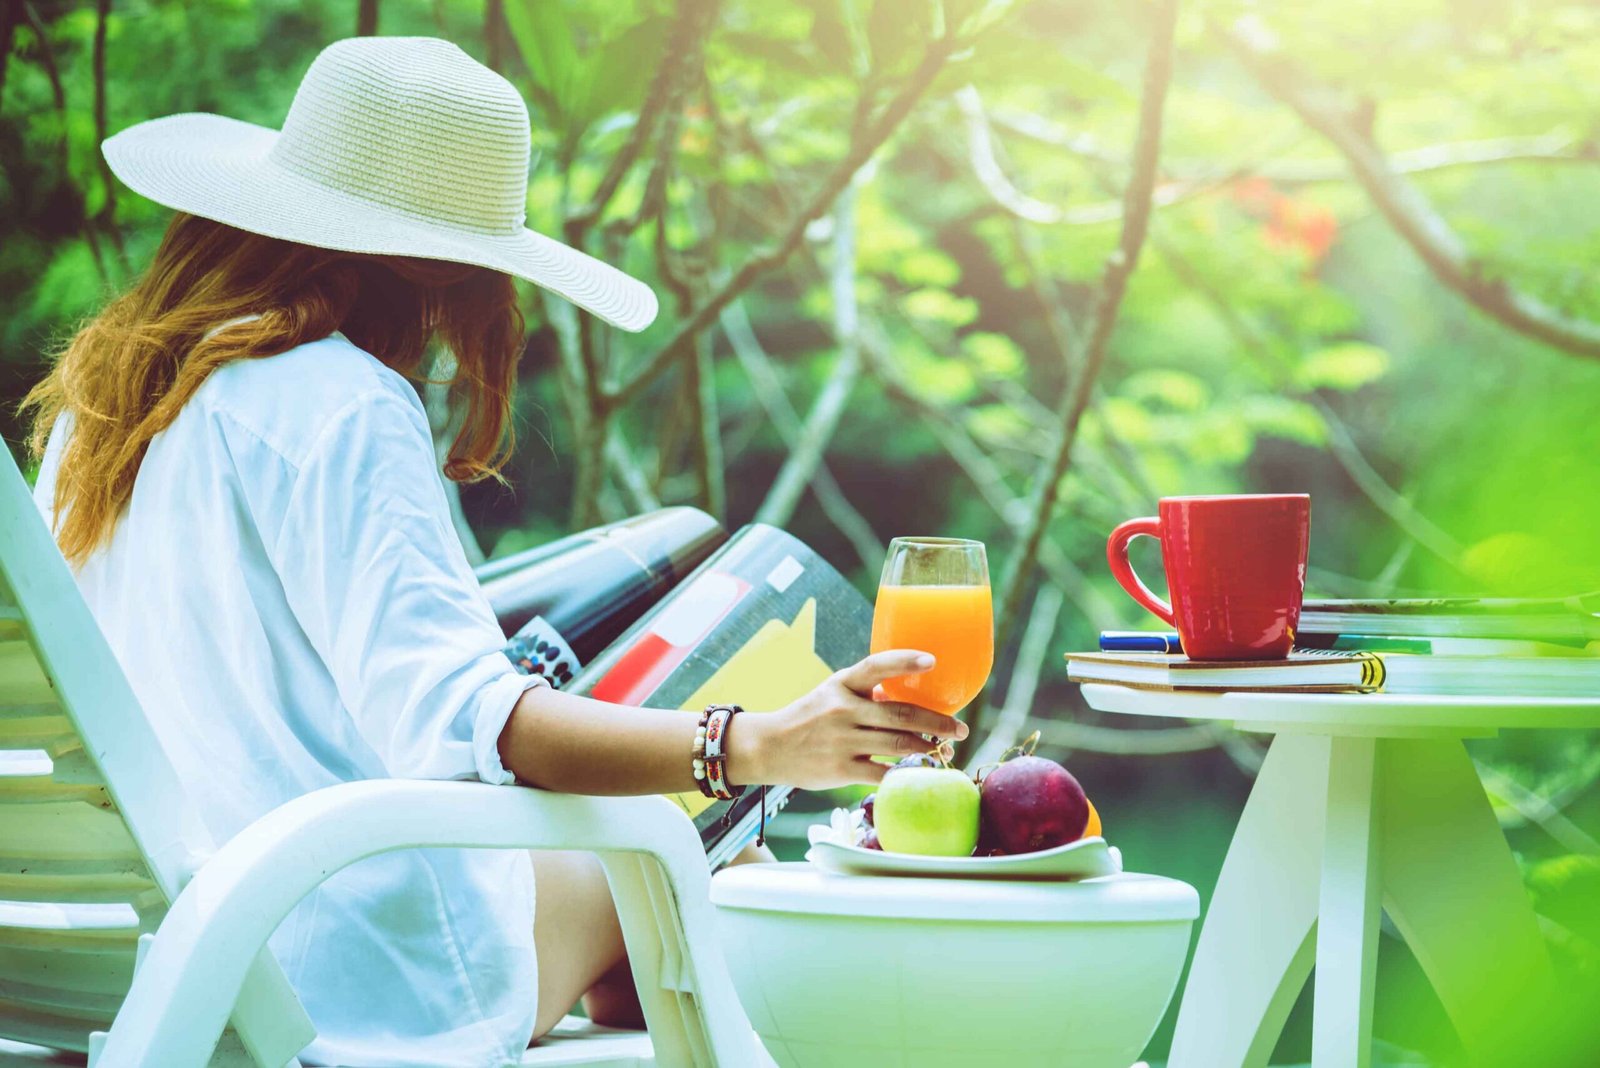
102	861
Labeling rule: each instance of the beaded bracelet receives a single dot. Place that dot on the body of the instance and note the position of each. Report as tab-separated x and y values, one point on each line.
718	720
700	755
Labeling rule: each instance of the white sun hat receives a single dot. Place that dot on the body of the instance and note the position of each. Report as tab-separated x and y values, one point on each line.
393	145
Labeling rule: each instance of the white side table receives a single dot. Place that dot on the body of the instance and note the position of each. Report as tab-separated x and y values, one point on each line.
1364	801
867	971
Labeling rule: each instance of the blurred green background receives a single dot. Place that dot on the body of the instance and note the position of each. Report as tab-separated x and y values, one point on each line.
896	361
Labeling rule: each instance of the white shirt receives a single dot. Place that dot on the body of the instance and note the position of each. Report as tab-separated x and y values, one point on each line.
293	609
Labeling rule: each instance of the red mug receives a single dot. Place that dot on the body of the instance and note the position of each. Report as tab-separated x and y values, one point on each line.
1236	569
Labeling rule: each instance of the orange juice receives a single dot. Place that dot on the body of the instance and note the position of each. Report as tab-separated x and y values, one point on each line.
955	624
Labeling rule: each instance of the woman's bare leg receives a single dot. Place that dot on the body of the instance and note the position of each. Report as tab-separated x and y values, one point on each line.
579	941
613	1001
577	938
753	854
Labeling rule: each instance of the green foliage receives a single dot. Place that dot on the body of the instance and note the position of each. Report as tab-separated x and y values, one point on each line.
1346	366
579	84
1273	313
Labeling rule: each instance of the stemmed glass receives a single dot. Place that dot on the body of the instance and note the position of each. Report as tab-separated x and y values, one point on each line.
934	597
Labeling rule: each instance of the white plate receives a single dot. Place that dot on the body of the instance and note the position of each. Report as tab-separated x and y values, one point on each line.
1087	858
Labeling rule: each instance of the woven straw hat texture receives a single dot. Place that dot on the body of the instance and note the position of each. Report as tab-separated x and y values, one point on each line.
393	145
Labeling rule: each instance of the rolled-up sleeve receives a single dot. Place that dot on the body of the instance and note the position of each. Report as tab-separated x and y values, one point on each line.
377	578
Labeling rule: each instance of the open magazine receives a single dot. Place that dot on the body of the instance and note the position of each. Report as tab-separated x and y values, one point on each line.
760	623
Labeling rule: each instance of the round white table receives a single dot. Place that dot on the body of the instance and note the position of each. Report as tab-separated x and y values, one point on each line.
1365	802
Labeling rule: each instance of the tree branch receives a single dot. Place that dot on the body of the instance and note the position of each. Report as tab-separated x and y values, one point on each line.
1114	281
982	154
58	93
52	73
1119	742
367	18
653	204
8	30
589	475
872	136
1024	684
1411	213
799	468
1489	151
790	483
785	420
575	358
635	486
589	361
988	479
1535	809
681	52
494	35
707	423
106	218
1341	443
1427	159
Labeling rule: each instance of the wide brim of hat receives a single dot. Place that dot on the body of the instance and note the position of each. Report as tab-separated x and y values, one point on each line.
222	169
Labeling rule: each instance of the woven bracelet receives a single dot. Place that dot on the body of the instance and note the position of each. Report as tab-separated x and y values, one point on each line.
718	720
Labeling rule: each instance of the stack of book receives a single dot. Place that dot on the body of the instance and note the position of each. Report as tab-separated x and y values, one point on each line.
1453	646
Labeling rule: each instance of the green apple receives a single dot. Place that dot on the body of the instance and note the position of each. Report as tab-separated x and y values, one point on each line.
932	812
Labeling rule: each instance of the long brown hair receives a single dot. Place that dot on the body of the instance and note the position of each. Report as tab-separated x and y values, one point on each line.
128	372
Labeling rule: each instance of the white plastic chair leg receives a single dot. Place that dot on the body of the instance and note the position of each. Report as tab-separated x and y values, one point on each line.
269	1026
197	966
677	966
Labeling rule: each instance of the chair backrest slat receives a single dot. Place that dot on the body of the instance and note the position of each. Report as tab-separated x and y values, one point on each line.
22	679
81	888
25	1022
93	817
76	768
28	711
62	997
68	832
51	732
23	789
53	654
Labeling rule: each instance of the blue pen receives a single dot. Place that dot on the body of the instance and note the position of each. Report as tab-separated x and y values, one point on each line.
1145	641
1139	641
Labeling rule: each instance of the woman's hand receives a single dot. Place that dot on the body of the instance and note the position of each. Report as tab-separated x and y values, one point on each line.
828	737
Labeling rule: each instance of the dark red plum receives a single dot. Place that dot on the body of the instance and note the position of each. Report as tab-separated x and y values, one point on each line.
1030	804
871	840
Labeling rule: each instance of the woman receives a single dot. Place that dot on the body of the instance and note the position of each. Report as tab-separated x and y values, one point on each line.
241	474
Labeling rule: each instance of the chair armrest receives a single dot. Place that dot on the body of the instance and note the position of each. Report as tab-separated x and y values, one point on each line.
191	976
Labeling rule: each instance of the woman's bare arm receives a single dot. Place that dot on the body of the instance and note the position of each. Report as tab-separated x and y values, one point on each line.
573	744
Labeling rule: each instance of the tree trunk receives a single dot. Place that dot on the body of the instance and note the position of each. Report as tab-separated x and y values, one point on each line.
494	34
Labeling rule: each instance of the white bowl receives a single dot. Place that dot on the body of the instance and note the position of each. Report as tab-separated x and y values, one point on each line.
838	971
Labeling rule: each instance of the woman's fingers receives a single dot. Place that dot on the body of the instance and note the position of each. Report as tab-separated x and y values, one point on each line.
897	716
892	743
864	674
867	770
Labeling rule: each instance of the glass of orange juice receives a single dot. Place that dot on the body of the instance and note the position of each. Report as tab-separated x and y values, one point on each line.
934	597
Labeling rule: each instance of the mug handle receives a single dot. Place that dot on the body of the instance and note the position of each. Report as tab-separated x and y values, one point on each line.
1117	556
